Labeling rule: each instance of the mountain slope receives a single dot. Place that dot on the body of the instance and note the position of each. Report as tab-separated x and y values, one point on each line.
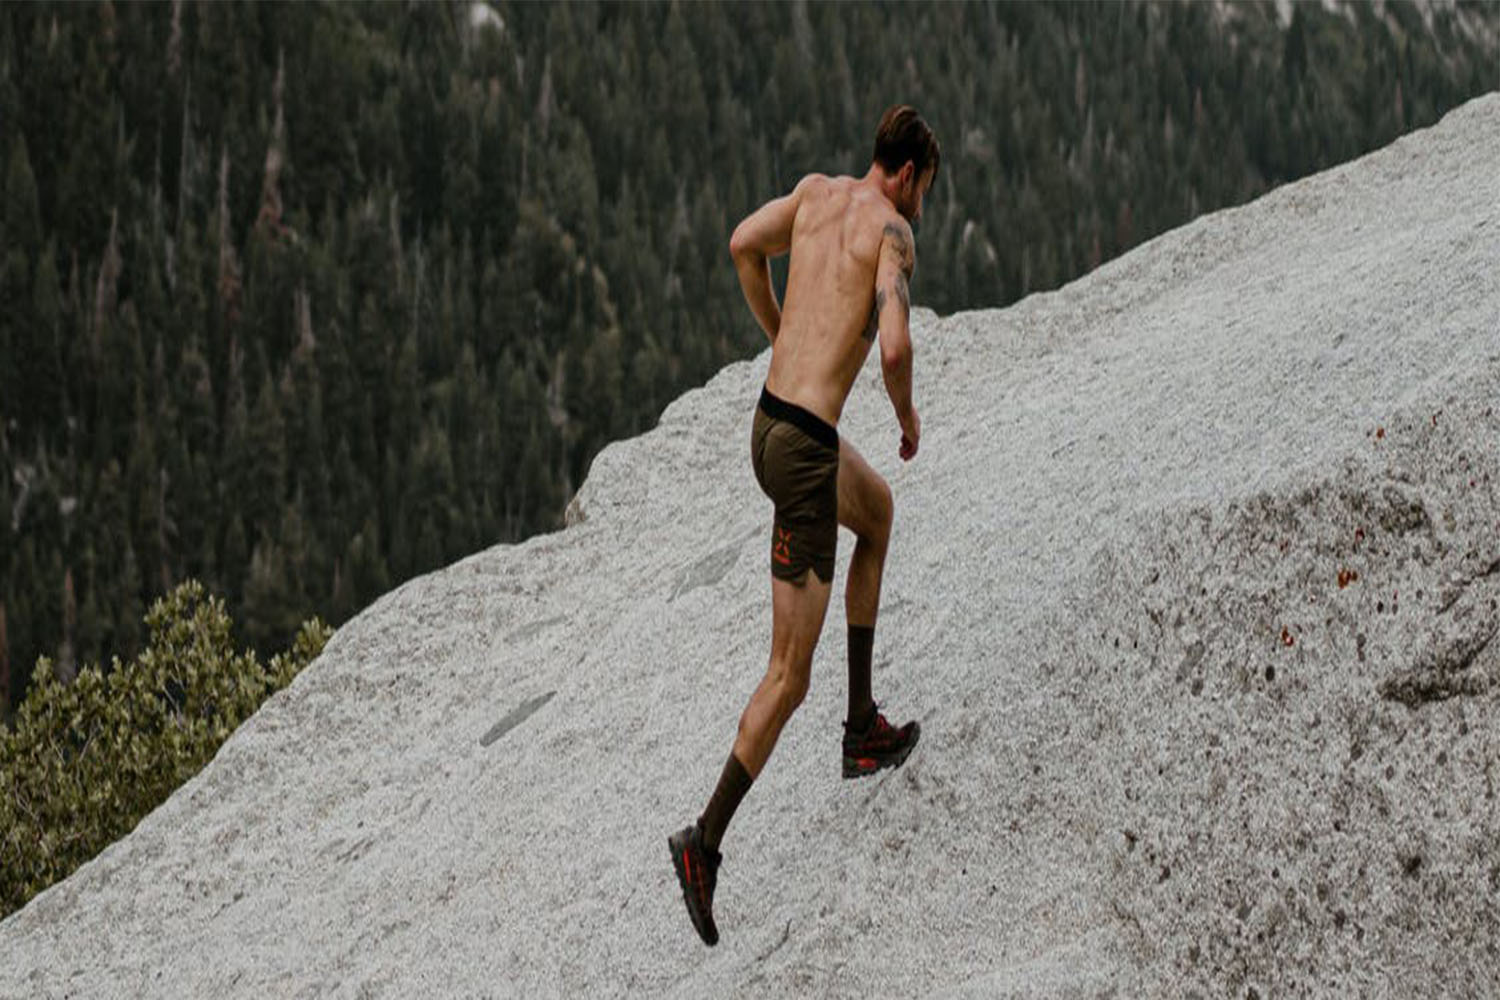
1193	585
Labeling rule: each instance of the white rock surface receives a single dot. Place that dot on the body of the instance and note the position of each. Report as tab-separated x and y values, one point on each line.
1165	752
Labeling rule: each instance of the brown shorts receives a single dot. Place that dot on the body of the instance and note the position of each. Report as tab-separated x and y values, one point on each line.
795	455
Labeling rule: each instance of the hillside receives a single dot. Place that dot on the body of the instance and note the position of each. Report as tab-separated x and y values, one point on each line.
1194	587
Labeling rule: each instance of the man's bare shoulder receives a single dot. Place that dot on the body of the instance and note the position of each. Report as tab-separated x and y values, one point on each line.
813	183
878	216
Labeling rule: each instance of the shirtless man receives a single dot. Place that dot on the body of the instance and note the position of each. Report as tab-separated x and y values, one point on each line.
852	258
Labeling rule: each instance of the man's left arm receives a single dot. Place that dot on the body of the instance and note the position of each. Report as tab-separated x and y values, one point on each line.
765	233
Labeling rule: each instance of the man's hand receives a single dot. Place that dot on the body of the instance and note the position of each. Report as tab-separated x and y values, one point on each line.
911	436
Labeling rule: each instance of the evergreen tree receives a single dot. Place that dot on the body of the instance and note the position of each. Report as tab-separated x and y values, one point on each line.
44	390
5	672
21	220
143	485
266	447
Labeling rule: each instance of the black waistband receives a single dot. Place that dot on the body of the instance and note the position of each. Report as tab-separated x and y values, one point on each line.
808	422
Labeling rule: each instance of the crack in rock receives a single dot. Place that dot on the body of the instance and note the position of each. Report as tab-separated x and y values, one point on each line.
534	629
707	571
1446	675
515	718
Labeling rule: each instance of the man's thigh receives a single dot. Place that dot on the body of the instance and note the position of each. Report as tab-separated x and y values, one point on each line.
864	496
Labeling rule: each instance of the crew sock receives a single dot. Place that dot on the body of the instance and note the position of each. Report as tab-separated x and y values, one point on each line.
734	782
861	704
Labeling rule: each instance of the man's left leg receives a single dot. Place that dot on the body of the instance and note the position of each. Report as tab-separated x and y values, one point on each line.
867	509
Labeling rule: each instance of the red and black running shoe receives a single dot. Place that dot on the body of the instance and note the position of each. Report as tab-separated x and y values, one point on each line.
880	745
697	870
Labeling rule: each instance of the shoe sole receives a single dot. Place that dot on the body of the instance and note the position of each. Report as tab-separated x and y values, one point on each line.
860	767
678	843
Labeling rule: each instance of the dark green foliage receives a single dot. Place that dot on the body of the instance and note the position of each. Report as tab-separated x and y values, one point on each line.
88	759
303	299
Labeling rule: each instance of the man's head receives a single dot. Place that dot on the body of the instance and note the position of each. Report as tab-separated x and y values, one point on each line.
907	152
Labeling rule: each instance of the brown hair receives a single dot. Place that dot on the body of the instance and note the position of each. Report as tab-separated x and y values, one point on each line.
902	136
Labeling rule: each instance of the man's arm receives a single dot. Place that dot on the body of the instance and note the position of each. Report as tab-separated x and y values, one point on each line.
898	261
765	233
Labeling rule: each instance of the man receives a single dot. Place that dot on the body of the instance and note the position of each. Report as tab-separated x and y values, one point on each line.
852	256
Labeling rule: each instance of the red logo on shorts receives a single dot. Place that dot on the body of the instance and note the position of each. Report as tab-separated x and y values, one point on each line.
781	549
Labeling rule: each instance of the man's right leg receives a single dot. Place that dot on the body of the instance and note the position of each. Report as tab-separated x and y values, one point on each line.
797	612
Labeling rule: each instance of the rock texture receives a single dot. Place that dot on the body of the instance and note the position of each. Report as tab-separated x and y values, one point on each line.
1193	585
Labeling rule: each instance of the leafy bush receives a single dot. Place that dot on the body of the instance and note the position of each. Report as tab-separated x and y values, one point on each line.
86	761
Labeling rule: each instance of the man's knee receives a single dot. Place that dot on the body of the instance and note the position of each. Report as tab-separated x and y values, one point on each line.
793	692
791	687
883	511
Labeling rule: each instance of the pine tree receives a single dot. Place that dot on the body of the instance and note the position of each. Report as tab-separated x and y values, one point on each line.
44	381
21	218
143	484
366	564
19	642
266	606
234	558
406	402
6	698
90	177
498	168
125	637
266	487
393	488
93	620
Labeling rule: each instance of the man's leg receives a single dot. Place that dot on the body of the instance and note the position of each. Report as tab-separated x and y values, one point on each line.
797	612
870	742
866	508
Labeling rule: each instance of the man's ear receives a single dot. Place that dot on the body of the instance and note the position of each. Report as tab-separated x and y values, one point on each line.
907	174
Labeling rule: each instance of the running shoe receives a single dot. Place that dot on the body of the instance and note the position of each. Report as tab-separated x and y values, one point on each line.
697	871
879	746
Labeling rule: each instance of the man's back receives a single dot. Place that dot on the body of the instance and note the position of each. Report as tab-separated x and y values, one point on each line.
828	319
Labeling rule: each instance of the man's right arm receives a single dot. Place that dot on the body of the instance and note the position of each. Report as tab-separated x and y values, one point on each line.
893	307
765	233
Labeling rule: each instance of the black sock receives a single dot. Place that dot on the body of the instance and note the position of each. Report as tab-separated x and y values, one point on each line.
861	705
734	782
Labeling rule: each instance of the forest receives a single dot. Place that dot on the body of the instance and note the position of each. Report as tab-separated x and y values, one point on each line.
303	300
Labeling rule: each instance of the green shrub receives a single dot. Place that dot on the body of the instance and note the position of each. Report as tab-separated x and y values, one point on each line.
86	761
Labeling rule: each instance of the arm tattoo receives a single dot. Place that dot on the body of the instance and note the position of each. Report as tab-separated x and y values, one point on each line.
899	241
873	327
901	245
